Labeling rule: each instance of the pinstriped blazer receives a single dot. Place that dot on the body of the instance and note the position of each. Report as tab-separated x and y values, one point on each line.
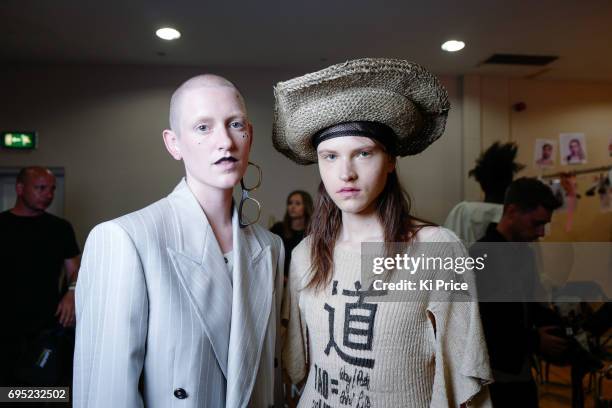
154	296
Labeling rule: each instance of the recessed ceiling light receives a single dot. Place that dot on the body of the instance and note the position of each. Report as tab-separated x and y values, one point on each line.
453	45
168	33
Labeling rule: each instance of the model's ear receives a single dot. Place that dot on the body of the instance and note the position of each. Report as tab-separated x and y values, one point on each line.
171	142
19	189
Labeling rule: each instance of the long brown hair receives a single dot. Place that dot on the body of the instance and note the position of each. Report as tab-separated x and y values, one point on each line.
393	210
308	209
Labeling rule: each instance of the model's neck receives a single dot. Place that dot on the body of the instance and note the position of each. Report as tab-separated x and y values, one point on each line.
358	228
216	202
298	224
217	205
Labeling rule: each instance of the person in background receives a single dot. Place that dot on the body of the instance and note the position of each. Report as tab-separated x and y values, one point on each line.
292	230
515	323
495	169
295	222
34	248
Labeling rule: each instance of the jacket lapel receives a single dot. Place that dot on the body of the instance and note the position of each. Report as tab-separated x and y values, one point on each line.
251	306
201	270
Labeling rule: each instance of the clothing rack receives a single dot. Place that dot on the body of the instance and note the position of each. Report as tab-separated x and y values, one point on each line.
577	172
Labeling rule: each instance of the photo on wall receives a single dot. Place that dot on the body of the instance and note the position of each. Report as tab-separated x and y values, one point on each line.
544	152
573	148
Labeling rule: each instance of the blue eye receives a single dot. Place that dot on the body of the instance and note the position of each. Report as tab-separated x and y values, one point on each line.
365	153
237	125
330	156
202	128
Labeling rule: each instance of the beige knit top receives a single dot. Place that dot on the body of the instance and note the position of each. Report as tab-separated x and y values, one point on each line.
360	352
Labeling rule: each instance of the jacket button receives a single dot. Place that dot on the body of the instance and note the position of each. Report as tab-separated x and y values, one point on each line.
180	393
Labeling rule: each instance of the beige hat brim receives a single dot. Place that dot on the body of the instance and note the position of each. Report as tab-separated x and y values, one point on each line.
399	94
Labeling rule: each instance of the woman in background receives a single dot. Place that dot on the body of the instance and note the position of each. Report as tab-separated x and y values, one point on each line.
295	222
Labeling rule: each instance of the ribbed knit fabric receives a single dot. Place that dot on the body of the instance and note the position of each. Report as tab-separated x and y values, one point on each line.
380	354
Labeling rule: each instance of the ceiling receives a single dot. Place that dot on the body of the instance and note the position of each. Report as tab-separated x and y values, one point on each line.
314	33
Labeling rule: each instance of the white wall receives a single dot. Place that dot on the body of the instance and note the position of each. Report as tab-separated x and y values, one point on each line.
434	178
103	125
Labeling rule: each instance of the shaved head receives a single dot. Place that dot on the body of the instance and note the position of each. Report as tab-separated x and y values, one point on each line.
200	81
28	173
35	190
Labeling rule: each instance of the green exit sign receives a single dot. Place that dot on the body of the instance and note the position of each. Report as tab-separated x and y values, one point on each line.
19	140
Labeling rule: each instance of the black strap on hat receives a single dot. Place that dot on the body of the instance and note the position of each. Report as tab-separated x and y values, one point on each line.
373	130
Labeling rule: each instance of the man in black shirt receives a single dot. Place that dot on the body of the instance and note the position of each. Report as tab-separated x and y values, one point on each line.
515	324
34	246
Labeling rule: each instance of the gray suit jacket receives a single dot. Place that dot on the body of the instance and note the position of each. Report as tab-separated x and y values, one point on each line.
154	296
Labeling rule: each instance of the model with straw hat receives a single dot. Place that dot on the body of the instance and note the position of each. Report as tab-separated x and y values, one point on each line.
353	348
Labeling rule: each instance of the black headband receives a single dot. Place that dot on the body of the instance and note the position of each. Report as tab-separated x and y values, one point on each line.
373	130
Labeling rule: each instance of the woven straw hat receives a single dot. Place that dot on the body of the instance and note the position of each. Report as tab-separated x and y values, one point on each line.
399	94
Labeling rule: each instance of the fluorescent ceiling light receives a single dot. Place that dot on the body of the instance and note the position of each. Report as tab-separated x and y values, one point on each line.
453	45
168	33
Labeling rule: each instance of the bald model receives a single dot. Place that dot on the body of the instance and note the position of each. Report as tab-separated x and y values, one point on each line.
179	295
200	81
